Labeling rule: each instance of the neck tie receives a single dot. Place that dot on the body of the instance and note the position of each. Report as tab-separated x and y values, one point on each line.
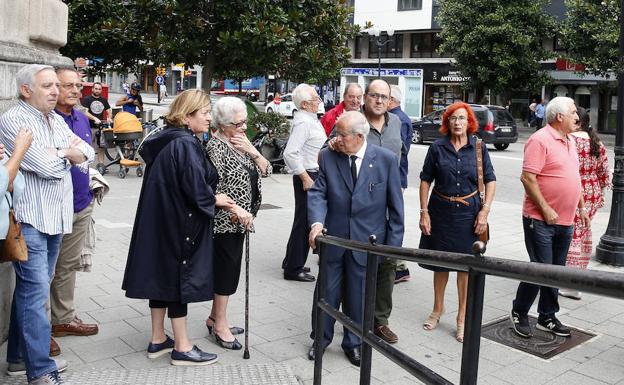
353	169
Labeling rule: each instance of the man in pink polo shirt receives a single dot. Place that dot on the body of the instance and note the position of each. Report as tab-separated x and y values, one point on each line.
552	195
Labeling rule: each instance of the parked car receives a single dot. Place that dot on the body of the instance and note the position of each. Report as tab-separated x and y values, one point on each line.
496	126
287	107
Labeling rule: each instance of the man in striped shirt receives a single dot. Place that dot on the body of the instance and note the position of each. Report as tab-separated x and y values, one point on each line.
45	211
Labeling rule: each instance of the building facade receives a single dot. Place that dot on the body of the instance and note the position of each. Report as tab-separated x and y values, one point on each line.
409	57
31	31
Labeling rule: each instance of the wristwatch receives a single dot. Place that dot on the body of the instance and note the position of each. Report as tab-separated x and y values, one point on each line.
60	154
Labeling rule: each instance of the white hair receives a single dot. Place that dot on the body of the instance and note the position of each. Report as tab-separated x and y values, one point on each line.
396	93
26	76
300	94
356	121
559	105
349	85
225	108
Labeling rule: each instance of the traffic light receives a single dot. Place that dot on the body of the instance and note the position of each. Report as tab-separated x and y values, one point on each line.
161	71
188	73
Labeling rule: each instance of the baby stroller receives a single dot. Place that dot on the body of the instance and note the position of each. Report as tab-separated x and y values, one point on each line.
121	144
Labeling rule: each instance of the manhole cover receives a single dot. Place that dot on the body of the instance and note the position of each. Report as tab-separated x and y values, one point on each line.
542	344
268	206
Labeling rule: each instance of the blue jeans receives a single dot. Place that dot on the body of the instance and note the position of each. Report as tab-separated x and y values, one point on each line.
29	329
545	244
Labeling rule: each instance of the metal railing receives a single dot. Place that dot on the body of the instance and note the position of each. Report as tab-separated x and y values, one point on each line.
597	282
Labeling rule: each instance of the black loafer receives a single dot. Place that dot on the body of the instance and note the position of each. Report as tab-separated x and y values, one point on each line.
354	356
301	277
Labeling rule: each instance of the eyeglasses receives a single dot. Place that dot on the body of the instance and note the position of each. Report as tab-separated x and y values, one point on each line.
460	119
69	86
382	97
239	124
314	100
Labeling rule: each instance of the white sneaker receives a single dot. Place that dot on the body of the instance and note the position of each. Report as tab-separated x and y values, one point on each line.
49	379
573	294
20	368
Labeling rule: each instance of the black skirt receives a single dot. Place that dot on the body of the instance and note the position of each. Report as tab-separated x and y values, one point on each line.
228	254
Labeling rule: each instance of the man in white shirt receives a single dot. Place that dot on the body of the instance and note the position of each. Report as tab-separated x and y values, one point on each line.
301	156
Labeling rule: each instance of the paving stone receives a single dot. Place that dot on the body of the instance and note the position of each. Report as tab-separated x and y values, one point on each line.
112	329
117	313
258	374
601	370
528	374
95	351
575	378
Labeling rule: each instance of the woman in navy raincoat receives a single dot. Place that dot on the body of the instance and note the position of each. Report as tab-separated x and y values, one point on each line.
170	261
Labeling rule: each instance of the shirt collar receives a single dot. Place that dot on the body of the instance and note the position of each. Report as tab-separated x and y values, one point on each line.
362	150
307	113
472	141
554	133
386	116
71	115
33	110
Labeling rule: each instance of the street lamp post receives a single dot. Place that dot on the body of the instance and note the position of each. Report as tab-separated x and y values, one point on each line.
380	43
610	250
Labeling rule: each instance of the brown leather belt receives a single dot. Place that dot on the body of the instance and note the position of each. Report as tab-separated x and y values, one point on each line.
456	199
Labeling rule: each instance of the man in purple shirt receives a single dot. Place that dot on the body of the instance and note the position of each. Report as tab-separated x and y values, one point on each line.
63	317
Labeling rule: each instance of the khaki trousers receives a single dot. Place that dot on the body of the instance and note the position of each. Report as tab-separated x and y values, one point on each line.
64	280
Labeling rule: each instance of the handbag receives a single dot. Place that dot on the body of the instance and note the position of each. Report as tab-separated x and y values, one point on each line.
14	246
484	236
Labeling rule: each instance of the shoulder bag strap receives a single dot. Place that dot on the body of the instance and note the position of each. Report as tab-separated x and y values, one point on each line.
481	186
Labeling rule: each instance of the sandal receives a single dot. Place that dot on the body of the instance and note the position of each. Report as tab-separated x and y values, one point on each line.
460	333
432	321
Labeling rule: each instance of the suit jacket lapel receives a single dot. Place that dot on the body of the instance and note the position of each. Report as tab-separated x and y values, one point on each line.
368	163
345	170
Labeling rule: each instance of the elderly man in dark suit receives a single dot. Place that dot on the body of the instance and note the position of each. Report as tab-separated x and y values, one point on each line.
357	193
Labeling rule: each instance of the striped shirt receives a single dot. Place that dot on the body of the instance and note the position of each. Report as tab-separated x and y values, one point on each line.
47	202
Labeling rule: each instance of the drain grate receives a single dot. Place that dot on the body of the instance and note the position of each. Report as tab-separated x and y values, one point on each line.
543	344
268	206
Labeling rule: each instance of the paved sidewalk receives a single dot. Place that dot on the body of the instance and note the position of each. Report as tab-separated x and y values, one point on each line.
280	310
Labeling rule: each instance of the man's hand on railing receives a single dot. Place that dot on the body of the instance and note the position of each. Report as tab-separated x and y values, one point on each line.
316	229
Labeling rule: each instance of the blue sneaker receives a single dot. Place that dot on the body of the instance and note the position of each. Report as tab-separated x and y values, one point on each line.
193	357
157	350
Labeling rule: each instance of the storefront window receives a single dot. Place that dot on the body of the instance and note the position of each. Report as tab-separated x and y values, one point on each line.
413	94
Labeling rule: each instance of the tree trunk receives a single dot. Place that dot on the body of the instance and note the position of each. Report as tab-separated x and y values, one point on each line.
207	73
240	87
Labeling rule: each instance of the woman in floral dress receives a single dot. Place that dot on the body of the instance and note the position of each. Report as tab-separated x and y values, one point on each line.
595	177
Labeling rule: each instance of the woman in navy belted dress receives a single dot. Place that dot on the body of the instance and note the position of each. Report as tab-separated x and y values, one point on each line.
451	218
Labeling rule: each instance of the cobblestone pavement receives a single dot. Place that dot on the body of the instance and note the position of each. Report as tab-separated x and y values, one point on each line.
280	310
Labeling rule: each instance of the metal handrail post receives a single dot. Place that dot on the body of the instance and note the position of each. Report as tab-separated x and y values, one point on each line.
473	318
368	322
318	314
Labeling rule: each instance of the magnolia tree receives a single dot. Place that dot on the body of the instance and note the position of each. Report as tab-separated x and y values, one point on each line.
302	40
591	33
496	44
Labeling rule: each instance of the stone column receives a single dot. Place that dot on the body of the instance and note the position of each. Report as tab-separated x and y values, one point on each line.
31	31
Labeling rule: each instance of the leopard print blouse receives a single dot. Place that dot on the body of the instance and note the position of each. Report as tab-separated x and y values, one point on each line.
234	181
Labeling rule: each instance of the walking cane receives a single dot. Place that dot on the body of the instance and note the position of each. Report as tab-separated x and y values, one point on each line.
246	352
234	219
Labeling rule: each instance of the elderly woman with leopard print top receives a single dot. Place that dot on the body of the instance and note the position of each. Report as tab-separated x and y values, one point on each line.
240	167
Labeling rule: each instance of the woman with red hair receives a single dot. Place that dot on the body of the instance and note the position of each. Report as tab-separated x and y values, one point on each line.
452	218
